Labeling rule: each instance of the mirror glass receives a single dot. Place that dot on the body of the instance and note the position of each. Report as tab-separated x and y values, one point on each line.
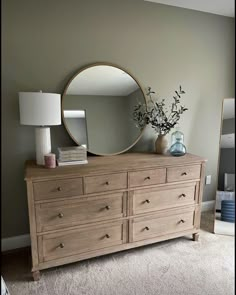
97	109
225	194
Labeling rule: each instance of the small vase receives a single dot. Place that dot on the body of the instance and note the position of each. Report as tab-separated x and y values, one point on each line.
161	144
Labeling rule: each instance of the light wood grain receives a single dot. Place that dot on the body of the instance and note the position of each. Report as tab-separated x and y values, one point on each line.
159	226
122	247
110	164
183	173
103	183
108	197
32	223
58	188
61	214
147	177
70	242
148	200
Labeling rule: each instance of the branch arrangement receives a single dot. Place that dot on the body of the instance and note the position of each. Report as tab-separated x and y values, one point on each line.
153	113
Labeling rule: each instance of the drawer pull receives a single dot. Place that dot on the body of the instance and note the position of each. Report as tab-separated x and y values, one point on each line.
147	178
181	221
62	245
184	173
60	215
182	195
146	228
107	236
108	207
59	189
107	182
147	201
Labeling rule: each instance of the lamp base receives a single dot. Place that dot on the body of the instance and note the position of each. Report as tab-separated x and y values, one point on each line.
43	144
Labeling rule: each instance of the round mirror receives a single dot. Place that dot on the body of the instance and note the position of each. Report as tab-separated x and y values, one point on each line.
97	109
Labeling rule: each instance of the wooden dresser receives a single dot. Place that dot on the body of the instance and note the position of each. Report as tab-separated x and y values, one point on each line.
111	204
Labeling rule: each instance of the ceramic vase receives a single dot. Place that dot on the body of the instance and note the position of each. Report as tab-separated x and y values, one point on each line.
161	144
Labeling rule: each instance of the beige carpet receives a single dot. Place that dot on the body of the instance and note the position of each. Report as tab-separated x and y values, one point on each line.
176	267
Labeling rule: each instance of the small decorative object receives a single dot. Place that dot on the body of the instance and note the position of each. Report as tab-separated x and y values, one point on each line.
74	155
177	143
161	144
50	160
159	117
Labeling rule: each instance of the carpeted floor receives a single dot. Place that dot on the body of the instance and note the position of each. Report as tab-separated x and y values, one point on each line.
175	267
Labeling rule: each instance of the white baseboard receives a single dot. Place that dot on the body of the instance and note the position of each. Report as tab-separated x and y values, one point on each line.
15	242
208	206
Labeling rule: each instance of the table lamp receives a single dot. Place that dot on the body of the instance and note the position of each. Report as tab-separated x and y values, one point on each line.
42	110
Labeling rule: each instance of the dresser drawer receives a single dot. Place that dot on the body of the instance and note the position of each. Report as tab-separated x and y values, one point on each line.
103	183
55	215
147	177
183	173
57	188
82	240
151	227
147	200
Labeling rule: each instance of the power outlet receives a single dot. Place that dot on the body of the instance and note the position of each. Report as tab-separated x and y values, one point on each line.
208	179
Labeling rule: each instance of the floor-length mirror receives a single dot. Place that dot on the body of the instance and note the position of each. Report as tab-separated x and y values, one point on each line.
225	195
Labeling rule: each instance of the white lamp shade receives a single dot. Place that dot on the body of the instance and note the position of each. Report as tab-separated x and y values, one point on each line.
40	109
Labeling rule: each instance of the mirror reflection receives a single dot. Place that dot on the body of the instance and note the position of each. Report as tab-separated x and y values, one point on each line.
97	108
225	195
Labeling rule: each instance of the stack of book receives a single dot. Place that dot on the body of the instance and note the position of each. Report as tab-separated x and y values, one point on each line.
72	155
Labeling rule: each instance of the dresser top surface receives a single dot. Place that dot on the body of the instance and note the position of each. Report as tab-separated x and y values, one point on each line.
110	164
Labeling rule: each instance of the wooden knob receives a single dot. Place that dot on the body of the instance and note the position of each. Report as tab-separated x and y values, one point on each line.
146	228
107	236
59	188
148	201
62	245
182	221
108	207
107	182
60	215
182	195
146	178
184	173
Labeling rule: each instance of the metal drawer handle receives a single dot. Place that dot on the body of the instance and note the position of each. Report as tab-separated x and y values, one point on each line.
146	228
62	245
59	189
181	221
107	236
107	182
182	195
184	173
147	201
60	215
148	177
108	207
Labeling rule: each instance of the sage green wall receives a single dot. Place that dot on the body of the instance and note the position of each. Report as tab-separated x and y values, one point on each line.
45	42
108	121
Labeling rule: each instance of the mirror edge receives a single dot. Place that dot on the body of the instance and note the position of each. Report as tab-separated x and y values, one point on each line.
67	85
218	163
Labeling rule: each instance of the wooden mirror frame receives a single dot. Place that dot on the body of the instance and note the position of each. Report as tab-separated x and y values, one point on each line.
64	93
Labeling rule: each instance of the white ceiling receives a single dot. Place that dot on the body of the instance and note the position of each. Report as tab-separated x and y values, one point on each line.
102	80
227	141
221	7
228	112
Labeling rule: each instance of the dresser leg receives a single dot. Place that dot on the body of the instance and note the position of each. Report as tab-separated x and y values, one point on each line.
196	237
36	275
